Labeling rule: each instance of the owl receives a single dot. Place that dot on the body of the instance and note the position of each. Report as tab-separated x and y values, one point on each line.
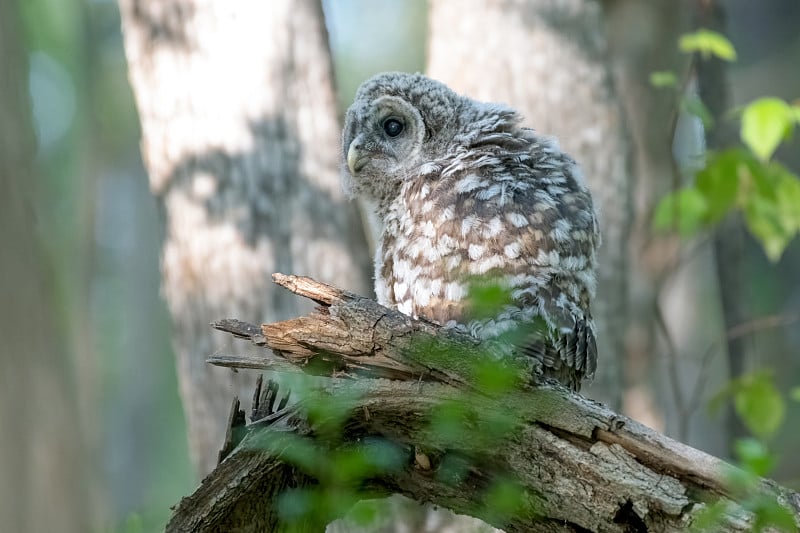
463	192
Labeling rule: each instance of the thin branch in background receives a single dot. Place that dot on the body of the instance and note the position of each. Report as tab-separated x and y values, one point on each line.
674	378
687	408
760	324
685	255
684	409
745	328
702	379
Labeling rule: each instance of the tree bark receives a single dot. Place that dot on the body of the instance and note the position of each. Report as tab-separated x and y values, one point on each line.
582	466
240	140
44	482
548	59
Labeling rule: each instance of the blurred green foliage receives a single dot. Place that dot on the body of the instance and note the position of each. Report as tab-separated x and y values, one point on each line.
756	401
743	179
766	193
761	407
663	79
340	471
765	123
707	43
466	430
76	46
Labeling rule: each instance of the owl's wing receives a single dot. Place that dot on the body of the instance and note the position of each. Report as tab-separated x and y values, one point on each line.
565	346
525	219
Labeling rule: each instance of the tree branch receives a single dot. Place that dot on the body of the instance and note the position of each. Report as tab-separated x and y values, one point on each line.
581	466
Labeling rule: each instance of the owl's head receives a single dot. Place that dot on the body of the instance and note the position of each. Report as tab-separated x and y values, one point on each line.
400	122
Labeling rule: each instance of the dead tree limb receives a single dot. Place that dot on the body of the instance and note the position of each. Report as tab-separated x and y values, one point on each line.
581	466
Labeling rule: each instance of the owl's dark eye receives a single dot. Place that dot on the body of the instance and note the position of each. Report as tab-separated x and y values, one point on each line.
392	127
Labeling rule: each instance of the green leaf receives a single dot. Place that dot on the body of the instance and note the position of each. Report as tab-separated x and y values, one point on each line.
764	222
504	499
487	297
709	518
663	79
366	513
759	404
449	422
765	123
768	512
769	200
719	183
299	451
693	105
739	481
708	43
754	457
787	192
453	469
353	464
684	210
327	413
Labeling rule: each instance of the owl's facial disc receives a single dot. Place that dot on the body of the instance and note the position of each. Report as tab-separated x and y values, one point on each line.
382	147
386	140
358	155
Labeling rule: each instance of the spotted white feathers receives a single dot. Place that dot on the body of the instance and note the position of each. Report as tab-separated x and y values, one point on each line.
464	191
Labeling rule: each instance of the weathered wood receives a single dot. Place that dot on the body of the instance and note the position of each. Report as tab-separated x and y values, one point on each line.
350	333
581	465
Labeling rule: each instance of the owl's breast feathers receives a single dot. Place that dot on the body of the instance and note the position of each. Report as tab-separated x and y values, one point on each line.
516	212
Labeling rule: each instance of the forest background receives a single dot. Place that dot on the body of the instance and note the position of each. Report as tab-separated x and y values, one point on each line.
109	385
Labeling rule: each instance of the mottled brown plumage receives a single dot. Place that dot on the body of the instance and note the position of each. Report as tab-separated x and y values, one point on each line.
462	191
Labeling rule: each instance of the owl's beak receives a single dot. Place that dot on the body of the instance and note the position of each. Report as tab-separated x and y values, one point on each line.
356	158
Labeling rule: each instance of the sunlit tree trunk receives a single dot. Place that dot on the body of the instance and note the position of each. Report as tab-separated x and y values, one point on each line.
240	138
43	485
547	58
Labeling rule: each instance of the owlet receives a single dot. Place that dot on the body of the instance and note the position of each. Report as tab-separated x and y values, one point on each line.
464	192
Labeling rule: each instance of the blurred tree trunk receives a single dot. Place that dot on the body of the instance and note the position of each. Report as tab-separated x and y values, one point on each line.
637	51
729	237
547	58
43	486
240	138
666	356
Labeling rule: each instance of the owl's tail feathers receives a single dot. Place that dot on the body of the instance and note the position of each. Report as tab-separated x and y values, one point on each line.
568	355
